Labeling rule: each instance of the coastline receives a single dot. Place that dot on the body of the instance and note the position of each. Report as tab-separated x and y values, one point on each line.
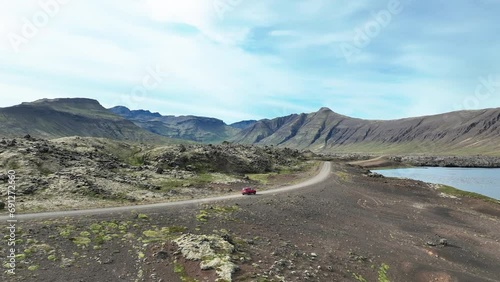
404	161
446	189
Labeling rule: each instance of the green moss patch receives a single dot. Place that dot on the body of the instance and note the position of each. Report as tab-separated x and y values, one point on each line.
220	211
213	252
262	178
452	191
163	234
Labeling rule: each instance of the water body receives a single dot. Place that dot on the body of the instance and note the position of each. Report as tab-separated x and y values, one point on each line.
485	181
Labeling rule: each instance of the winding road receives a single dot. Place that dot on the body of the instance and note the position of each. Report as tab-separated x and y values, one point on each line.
321	176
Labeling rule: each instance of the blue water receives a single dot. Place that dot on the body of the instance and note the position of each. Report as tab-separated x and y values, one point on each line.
485	181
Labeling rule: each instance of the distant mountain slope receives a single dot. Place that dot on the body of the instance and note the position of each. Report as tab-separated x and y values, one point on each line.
199	129
53	118
464	132
243	124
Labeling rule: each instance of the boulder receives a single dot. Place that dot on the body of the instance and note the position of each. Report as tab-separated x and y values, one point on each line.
161	255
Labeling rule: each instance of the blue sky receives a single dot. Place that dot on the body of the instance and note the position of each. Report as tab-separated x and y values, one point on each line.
241	59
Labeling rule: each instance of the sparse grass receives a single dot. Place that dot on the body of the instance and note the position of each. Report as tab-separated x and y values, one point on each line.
217	210
202	216
20	257
179	269
382	273
200	180
176	229
225	209
262	178
31	241
98	233
33	267
460	193
85	234
44	247
134	158
300	167
359	277
28	251
265	178
110	225
344	176
102	238
163	234
12	164
95	227
204	178
167	185
82	241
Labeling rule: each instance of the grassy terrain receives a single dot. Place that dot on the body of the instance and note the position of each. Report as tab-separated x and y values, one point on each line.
92	242
198	181
452	191
265	178
262	178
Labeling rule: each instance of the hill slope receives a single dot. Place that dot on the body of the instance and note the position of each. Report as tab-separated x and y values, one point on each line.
464	132
193	128
53	118
243	124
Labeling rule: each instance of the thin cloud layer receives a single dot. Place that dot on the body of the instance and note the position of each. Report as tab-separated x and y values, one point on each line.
254	59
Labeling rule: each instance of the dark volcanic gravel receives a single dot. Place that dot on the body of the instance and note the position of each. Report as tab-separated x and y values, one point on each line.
348	226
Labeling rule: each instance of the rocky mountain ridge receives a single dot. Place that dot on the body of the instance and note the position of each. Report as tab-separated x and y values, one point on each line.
464	132
54	118
192	128
457	133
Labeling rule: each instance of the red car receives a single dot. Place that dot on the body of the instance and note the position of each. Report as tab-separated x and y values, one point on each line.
248	191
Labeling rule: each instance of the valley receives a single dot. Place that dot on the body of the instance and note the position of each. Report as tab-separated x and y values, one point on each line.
249	141
121	195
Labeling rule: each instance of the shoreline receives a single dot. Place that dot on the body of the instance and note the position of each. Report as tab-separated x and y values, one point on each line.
399	161
348	225
442	187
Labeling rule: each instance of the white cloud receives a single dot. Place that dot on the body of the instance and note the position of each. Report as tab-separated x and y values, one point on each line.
11	94
103	50
193	12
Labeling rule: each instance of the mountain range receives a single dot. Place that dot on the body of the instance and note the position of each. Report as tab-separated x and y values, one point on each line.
53	118
193	128
462	132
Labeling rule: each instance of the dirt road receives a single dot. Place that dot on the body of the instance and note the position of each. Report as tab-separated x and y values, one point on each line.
339	226
321	176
